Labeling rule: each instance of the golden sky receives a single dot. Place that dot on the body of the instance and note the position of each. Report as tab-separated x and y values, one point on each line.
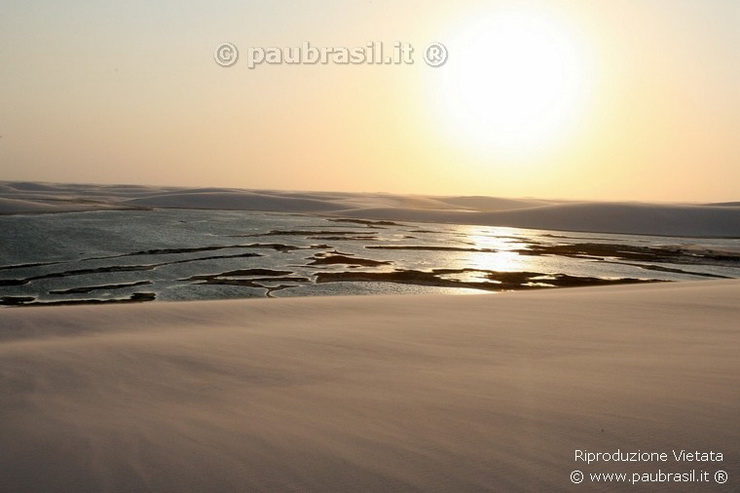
609	100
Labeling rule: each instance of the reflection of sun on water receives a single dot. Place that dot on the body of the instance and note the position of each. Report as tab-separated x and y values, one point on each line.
502	243
499	262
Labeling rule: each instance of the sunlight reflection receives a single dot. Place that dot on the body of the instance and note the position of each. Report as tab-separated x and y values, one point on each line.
501	245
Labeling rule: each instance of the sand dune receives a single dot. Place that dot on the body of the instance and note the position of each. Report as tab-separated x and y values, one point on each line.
241	200
45	205
431	393
648	219
706	220
14	206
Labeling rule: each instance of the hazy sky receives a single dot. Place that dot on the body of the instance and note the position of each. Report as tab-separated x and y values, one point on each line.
635	100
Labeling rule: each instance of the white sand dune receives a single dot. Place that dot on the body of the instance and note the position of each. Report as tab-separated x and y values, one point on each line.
21	206
719	220
429	393
646	219
241	200
14	206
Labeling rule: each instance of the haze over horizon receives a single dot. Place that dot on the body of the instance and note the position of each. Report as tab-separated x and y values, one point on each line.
634	100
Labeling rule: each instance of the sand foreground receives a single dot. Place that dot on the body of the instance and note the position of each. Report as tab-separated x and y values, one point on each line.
409	393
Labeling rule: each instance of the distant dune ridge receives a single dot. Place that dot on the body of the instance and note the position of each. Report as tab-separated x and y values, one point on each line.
707	220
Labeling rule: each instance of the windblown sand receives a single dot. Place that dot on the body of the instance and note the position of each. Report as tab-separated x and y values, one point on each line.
429	393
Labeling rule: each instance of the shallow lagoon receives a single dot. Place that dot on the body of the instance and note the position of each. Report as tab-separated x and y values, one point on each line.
173	254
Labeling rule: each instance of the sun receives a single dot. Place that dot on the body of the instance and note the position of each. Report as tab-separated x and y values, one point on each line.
514	85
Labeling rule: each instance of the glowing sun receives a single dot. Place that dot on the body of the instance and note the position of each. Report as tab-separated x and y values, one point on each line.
515	83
